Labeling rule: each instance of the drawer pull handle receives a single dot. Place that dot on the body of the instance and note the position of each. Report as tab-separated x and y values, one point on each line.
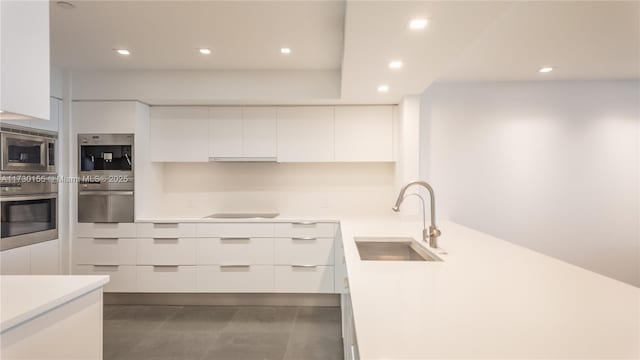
105	265
106	238
304	239
166	266
305	266
167	239
235	239
235	266
165	223
305	223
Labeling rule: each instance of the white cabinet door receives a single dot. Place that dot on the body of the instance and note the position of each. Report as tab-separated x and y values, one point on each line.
54	117
225	132
235	278
24	45
179	134
305	134
104	251
166	251
363	133
259	132
166	278
304	279
121	278
15	261
116	117
45	258
304	251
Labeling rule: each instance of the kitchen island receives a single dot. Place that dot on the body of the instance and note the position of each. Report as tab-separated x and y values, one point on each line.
51	317
488	299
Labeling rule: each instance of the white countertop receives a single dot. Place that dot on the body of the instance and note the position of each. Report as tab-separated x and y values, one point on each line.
488	299
24	297
281	218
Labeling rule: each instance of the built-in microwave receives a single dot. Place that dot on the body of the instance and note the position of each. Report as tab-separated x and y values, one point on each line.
27	150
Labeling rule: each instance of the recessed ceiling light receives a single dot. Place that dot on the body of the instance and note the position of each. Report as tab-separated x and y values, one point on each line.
383	88
395	64
123	51
417	24
65	5
285	50
546	69
204	51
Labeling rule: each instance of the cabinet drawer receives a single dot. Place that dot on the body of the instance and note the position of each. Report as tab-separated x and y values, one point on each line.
305	229
104	251
235	278
235	230
119	230
158	230
166	251
301	279
121	278
166	278
305	250
234	250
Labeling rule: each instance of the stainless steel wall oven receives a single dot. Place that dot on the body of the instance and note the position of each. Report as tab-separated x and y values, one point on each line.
28	186
105	169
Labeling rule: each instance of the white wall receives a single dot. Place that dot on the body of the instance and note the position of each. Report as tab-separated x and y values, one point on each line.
327	189
553	166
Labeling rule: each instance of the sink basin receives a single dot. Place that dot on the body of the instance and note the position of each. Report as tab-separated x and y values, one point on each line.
242	216
392	249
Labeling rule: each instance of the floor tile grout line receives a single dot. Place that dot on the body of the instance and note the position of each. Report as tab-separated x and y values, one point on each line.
293	325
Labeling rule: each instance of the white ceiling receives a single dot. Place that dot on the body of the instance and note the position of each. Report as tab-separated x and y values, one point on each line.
584	40
464	41
166	34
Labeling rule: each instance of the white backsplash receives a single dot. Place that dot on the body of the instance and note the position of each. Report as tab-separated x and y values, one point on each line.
323	189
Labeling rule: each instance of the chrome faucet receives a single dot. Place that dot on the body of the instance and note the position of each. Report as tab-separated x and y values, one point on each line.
433	232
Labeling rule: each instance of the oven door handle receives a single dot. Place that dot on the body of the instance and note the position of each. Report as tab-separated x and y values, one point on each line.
107	193
29	197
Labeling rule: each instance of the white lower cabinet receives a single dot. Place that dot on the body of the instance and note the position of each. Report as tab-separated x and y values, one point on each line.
36	259
122	278
45	258
106	230
235	251
165	229
304	279
265	230
104	251
15	261
349	339
166	278
166	251
235	278
228	257
304	250
305	229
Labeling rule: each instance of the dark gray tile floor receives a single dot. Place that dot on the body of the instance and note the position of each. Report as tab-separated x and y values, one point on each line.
221	333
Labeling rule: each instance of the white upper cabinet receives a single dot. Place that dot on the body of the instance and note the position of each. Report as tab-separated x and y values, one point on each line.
54	118
179	133
107	117
225	132
305	134
363	133
24	45
269	133
260	132
242	133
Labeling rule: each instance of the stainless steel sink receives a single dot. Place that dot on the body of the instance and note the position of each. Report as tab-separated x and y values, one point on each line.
242	216
393	249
